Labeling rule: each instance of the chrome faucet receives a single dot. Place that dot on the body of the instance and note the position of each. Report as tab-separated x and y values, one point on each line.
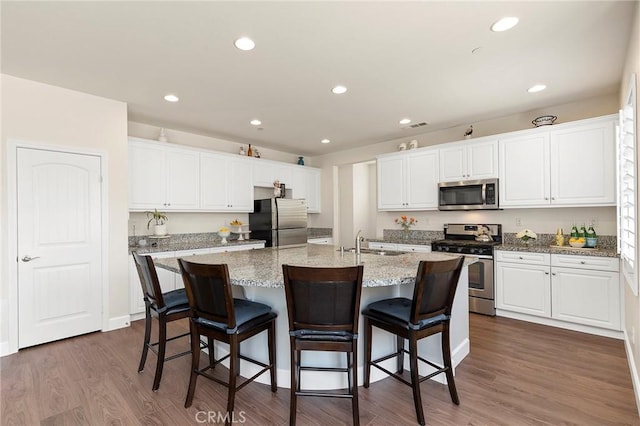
359	240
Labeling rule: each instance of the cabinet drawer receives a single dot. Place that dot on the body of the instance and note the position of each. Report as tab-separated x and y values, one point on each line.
383	246
586	262
416	248
523	257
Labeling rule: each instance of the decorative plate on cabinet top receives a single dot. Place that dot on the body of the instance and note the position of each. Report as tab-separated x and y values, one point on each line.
544	120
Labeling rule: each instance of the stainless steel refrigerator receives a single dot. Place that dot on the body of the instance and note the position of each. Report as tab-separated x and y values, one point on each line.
281	222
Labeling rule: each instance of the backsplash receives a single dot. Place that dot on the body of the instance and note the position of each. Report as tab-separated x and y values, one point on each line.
416	235
319	232
199	237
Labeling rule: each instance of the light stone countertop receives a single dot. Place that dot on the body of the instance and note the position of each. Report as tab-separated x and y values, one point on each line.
602	252
263	267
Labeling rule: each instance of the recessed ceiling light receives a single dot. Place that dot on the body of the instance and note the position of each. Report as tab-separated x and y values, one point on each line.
536	88
505	24
338	90
256	122
405	121
171	98
245	43
325	141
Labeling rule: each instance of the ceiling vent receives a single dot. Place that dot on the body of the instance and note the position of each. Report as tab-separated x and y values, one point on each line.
416	125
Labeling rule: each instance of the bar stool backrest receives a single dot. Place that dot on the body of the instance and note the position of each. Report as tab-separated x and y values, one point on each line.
149	280
435	288
208	289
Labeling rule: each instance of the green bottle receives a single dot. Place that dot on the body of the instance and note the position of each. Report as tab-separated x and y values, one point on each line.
574	231
583	232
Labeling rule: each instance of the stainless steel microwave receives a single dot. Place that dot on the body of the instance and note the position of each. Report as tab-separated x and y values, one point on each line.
468	195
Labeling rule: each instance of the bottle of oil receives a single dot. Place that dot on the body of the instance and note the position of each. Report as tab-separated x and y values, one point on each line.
249	151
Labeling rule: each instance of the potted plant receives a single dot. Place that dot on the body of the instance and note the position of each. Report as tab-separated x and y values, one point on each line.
160	219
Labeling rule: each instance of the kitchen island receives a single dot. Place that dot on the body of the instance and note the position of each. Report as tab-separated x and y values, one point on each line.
259	274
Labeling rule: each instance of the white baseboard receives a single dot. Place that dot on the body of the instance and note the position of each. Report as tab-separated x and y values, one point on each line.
4	348
118	322
635	380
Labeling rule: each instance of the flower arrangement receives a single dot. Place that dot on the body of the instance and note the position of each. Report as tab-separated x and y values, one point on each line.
526	235
406	222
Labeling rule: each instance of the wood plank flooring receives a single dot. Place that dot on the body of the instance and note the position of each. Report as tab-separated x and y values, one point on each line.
516	374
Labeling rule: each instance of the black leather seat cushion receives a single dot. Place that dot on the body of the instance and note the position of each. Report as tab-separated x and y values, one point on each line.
398	311
246	311
175	301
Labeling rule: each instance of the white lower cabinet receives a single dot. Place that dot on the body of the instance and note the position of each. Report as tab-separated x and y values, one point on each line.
582	290
523	288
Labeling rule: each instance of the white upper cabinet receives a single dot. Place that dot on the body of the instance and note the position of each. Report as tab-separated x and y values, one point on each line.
408	181
583	165
226	182
305	184
524	171
162	176
572	165
265	172
469	161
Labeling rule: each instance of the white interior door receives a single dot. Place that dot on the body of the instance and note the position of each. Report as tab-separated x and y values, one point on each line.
59	245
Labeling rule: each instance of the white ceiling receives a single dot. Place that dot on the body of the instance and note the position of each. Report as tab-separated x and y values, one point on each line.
398	59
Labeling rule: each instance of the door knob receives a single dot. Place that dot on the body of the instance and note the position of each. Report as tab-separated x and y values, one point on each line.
28	258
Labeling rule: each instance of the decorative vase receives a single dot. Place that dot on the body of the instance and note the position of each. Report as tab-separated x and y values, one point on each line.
160	230
405	234
301	161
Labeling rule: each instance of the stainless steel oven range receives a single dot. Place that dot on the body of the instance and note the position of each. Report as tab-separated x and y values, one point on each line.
477	240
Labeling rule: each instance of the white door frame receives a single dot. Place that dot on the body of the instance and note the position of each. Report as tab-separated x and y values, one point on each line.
12	236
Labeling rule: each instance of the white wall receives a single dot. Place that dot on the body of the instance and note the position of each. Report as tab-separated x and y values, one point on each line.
632	302
42	114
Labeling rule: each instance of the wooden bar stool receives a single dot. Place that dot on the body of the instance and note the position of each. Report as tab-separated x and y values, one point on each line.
218	316
167	307
323	306
428	313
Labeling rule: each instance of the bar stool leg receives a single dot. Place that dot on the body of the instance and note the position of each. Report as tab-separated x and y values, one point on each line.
162	346
415	377
147	338
353	367
400	350
446	356
195	365
293	406
233	374
271	338
367	352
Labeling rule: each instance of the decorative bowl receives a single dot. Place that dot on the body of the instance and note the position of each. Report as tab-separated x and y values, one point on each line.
577	244
224	235
544	120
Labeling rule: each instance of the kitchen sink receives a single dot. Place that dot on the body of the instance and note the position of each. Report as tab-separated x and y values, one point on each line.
375	251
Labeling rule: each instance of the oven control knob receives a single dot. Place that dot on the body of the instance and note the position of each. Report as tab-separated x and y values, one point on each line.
459	249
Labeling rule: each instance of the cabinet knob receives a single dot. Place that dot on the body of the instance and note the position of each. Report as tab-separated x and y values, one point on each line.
520	257
546	273
553	274
582	262
553	198
546	198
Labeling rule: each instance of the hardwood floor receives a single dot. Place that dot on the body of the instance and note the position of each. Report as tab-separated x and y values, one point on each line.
516	374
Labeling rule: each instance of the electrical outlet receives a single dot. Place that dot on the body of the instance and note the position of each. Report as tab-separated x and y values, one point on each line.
425	221
518	221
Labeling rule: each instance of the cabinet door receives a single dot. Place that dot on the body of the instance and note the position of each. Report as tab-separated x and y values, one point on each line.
422	180
263	174
213	181
298	182
583	165
482	160
239	185
136	301
146	176
182	176
524	171
453	163
586	297
391	178
523	288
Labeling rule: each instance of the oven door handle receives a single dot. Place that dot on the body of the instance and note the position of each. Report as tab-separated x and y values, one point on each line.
480	256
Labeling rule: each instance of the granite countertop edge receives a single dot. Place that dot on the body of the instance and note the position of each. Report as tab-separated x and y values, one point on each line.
193	245
599	252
